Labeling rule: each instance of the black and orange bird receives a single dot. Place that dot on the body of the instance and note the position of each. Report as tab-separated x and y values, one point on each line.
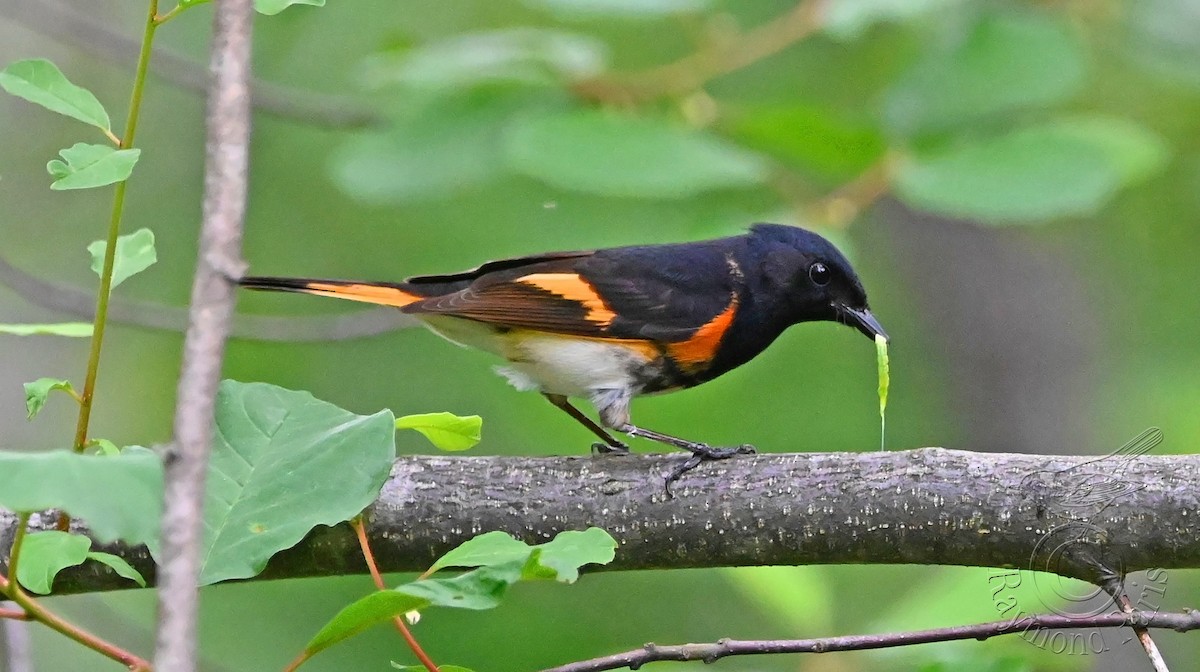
608	325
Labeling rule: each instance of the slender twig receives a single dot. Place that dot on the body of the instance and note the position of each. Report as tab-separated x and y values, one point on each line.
721	58
39	613
227	147
32	610
360	531
709	653
1143	634
16	614
114	230
163	18
14	554
846	202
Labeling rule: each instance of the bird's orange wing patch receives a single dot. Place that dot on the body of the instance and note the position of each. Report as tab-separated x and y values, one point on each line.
696	352
572	287
366	293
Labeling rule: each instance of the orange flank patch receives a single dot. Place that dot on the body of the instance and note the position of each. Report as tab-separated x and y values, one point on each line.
366	293
573	288
697	351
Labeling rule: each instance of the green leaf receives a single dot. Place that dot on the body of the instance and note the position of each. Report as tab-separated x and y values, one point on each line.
40	81
86	166
72	329
599	152
478	589
590	10
105	447
848	19
881	356
120	497
502	562
570	550
535	56
1064	168
37	392
284	462
118	565
1007	62
360	615
272	7
419	668
1133	151
492	548
560	558
834	144
438	150
45	554
445	430
135	253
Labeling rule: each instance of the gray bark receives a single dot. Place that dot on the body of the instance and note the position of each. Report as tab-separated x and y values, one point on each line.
1081	517
227	158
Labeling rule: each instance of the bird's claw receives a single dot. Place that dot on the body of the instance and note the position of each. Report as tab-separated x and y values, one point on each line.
702	452
601	448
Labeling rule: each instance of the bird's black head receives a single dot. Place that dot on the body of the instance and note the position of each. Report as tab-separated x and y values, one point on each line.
810	279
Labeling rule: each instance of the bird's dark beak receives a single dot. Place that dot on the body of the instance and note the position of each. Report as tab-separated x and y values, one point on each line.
865	322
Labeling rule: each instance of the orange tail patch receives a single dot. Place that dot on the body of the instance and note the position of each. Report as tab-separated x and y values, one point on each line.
366	292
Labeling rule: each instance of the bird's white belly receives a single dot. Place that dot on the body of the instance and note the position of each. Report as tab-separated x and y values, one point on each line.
551	363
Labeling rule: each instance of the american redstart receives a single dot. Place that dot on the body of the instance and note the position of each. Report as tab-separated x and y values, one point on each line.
608	325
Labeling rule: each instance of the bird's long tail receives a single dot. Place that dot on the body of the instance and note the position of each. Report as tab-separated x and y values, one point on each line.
382	293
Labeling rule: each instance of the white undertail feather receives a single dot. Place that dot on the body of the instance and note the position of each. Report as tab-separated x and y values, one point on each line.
547	362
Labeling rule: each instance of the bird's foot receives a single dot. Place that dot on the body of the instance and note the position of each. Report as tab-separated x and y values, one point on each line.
602	448
702	452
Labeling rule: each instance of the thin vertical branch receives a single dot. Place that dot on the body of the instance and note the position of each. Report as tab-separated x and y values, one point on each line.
226	161
14	633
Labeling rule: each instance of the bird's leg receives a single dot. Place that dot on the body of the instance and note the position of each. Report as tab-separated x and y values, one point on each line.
610	444
613	406
701	452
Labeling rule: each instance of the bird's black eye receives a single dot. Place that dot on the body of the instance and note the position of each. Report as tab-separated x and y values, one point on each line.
819	274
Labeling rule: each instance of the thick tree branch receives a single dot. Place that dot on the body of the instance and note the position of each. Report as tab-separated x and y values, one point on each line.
929	506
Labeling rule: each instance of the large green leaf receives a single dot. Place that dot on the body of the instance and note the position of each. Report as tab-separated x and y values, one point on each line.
270	7
72	329
832	144
40	81
1006	62
85	166
1064	168
45	554
440	149
120	497
135	253
447	431
611	154
284	462
591	10
39	390
511	55
847	19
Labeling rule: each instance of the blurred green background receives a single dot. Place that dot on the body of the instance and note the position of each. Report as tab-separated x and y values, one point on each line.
1017	182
